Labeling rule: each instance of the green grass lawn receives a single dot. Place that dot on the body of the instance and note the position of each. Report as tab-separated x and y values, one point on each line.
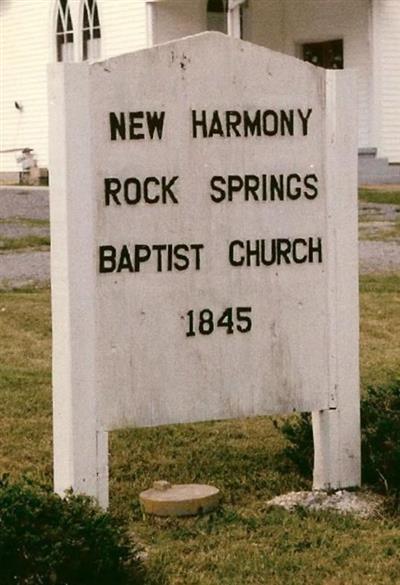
379	231
379	215
28	242
24	243
244	542
24	221
371	195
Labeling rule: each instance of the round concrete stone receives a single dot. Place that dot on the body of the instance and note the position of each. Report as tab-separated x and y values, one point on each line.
190	499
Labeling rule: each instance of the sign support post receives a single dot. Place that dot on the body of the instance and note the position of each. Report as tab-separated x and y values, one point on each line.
80	449
337	462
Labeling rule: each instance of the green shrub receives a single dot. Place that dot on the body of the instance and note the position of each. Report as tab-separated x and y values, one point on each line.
380	436
300	447
48	540
380	424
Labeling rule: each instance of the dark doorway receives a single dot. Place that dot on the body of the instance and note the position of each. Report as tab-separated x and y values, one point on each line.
328	54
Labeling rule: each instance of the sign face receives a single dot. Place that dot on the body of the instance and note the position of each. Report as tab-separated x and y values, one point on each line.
210	234
204	249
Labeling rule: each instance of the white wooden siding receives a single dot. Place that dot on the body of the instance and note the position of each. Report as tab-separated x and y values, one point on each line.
389	33
178	18
123	26
27	45
284	25
24	49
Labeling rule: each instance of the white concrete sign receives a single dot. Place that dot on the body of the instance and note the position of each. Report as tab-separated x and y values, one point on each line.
204	252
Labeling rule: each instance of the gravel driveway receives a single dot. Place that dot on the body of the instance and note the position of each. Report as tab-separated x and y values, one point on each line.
20	269
18	204
379	257
23	202
24	212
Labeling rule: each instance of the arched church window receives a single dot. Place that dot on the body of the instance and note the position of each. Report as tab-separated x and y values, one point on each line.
91	33
217	11
64	32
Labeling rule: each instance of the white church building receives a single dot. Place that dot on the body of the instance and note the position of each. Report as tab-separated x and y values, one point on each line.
363	35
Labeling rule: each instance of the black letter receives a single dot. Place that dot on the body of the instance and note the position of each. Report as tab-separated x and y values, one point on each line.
133	125
250	252
272	259
297	192
312	248
159	248
107	254
146	195
251	188
197	248
166	189
274	129
311	185
135	182
155	122
202	123
287	119
304	120
283	250
276	188
109	190
231	255
117	126
214	197
180	256
125	262
235	184
296	242
216	126
233	119
252	126
139	258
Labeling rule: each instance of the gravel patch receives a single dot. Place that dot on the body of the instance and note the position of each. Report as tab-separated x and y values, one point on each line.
342	501
23	202
19	230
22	269
383	211
379	257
